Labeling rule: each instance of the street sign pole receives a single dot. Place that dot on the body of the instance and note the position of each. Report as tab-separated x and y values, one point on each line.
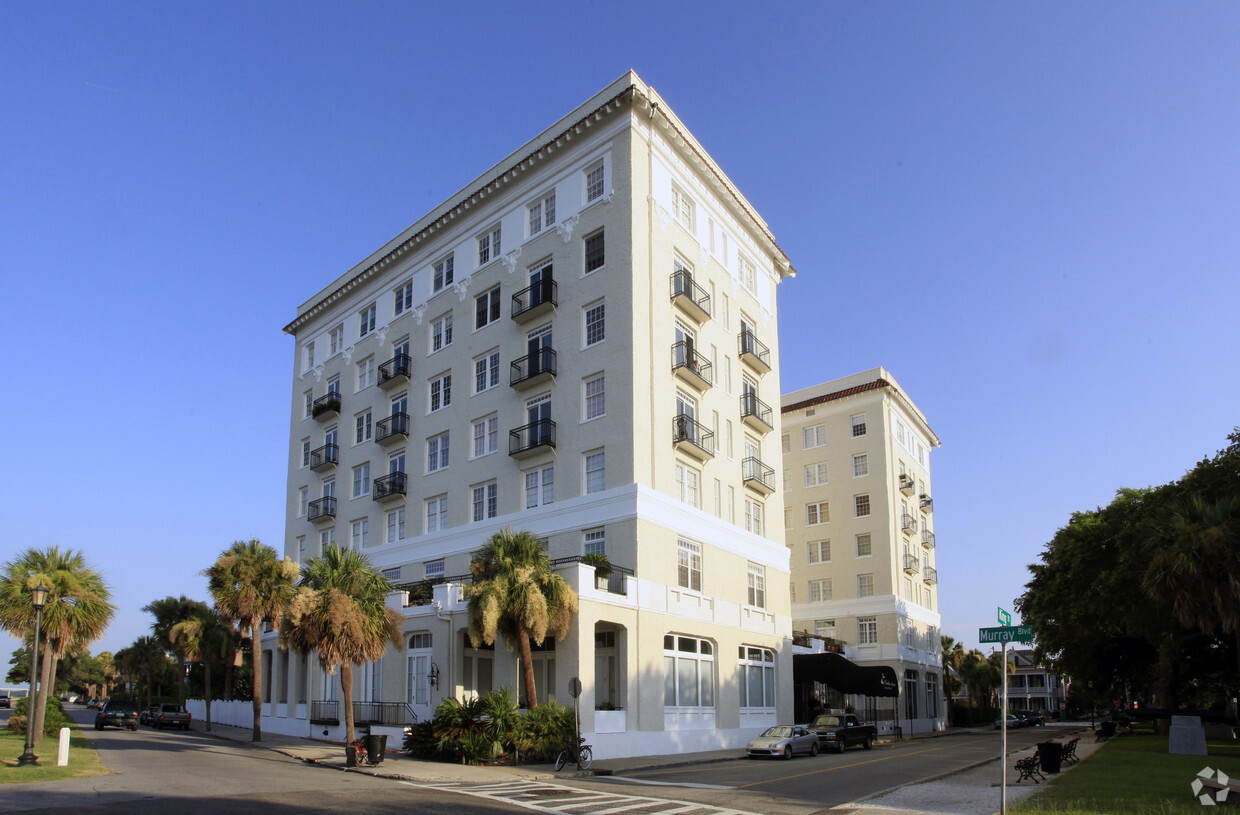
1003	739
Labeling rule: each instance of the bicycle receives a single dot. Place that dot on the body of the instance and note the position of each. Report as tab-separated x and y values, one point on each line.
359	747
580	754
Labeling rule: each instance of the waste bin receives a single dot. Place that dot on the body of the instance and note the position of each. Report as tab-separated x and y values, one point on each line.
377	744
1108	729
1050	756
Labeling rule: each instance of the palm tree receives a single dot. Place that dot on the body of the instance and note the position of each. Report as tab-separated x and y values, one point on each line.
515	594
168	612
76	613
252	586
952	655
145	659
340	612
205	637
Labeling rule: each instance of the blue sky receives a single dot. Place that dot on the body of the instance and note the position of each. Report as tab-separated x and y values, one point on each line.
1027	212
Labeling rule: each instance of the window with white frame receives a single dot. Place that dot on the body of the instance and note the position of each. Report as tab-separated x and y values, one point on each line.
392	575
363	427
858	425
683	208
688	484
440	392
361	534
785	442
595	251
486	371
815	436
437	513
861	505
366	320
756	588
437	453
489	245
754	517
824	628
301	549
861	465
326	538
539	487
486	308
303	501
757	675
864	546
485	501
433	568
594	542
689	565
305	452
329	487
819	551
441	333
336	339
366	373
594	182
542	213
308	406
307	356
443	274
787	481
361	480
595	324
594	398
865	585
817	513
486	436
867	631
820	591
816	474
396	525
595	471
745	268
402	298
688	672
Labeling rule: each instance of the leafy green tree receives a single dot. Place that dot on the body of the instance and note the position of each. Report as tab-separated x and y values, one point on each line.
952	654
340	612
251	585
168	612
516	594
145	659
208	638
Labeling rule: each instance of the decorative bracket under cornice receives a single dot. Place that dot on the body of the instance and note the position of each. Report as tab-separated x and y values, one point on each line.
462	287
318	374
419	311
565	228
382	334
510	260
348	355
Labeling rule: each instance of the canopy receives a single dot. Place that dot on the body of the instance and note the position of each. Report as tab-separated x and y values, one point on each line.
844	675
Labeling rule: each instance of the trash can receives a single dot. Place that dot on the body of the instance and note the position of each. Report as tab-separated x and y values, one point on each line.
1108	729
377	744
1050	756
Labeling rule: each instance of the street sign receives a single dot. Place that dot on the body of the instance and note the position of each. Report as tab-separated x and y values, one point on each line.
1004	617
1019	633
574	687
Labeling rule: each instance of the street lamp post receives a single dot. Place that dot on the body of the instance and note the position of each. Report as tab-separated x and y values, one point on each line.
38	599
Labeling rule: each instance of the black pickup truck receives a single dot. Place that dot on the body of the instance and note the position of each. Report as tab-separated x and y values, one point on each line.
169	715
836	731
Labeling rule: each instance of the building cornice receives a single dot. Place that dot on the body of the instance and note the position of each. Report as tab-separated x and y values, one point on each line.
866	387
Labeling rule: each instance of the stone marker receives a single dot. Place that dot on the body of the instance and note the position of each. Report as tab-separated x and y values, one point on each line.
1188	737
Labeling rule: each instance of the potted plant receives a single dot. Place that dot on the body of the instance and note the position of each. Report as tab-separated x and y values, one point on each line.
602	567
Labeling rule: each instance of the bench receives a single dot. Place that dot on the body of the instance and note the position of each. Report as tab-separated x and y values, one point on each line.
1068	754
1028	768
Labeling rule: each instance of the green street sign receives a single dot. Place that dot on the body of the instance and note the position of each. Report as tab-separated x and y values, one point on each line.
1004	617
1019	633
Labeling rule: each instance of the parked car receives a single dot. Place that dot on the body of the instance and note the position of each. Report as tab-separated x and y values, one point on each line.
783	741
118	713
4	700
147	716
170	715
1032	718
94	704
836	731
1013	722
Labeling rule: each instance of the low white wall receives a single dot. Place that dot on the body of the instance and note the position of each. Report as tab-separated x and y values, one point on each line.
240	713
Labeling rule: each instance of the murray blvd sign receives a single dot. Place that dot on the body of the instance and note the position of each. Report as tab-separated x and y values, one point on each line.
1005	634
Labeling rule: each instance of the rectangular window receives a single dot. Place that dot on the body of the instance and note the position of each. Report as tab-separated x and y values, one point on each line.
392	575
595	251
861	465
441	333
362	427
361	480
864	548
595	324
594	398
595	472
336	339
303	501
819	591
366	373
539	487
824	628
689	565
440	392
489	245
820	551
757	585
593	542
754	521
746	269
486	308
307	356
816	474
437	513
437	453
305	452
867	631
402	298
486	372
396	525
865	585
434	568
327	538
862	505
815	436
443	274
486	436
308	407
785	442
366	320
683	209
361	534
688	484
486	501
594	182
688	672
542	214
818	513
858	425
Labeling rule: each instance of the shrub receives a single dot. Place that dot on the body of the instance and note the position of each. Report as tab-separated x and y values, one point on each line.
53	717
545	731
420	742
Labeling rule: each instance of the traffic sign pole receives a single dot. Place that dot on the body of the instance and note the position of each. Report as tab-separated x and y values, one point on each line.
1003	739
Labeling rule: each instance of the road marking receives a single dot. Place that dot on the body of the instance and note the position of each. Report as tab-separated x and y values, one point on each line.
648	782
520	794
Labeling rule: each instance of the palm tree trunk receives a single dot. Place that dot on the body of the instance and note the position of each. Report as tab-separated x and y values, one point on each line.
527	665
35	717
346	690
181	680
256	660
206	689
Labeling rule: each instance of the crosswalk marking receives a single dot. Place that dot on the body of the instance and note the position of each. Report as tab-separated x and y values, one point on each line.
556	799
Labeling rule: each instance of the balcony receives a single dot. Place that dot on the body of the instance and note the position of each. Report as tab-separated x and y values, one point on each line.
326	406
323	509
394	428
690	366
689	296
757	476
907	484
326	456
912	564
930	575
754	352
927	503
390	486
533	369
692	438
756	413
534	301
614	582
395	371
531	438
927	539
908	523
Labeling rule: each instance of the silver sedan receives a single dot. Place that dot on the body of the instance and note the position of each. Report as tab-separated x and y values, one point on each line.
784	741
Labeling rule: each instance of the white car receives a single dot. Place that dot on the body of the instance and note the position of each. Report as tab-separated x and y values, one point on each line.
783	741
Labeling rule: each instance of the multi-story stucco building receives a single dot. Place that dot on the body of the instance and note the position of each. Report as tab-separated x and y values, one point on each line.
581	343
859	522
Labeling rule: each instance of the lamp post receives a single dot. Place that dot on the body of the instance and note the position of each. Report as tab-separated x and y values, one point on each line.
38	599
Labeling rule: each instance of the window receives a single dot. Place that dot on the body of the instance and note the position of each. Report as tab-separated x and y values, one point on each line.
486	308
308	356
443	274
757	675
688	484
683	208
486	371
745	267
396	525
815	474
486	501
362	427
819	591
594	398
864	549
932	695
861	503
440	392
754	517
867	631
486	436
539	487
441	333
333	385
688	672
865	585
361	480
327	538
433	568
595	324
819	513
366	320
392	575
542	214
785	442
757	585
689	565
489	245
366	373
361	534
593	542
303	501
595	472
301	549
308	406
594	182
305	452
815	436
824	628
820	552
858	425
402	298
861	465
437	453
336	339
594	251
437	513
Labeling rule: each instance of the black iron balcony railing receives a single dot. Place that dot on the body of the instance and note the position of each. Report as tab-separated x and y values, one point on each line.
912	564
396	370
689	295
392	428
930	575
907	485
689	365
927	503
758	475
326	405
908	523
324	507
756	413
927	538
389	486
693	437
754	351
326	456
533	366
615	574
531	437
325	712
533	300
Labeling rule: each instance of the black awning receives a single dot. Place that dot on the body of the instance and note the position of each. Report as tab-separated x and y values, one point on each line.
845	676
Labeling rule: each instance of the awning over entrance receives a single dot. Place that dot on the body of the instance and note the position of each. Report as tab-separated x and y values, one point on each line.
845	676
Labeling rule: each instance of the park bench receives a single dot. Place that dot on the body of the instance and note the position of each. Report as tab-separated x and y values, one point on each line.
1028	768
1069	751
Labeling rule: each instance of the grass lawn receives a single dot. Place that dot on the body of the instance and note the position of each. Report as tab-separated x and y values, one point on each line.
1134	774
83	761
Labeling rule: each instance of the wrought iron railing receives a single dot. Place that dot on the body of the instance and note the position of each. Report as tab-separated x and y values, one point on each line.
395	425
395	368
542	361
686	429
684	356
750	347
544	292
683	285
327	403
389	485
751	405
324	507
325	456
531	436
752	469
